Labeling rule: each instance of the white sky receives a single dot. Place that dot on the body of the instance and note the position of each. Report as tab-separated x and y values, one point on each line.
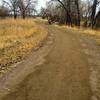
41	3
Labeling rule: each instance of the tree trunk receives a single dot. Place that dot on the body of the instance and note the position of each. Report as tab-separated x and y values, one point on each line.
93	13
97	20
15	14
68	17
78	12
23	15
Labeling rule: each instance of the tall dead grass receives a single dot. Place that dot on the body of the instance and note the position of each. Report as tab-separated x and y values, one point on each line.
17	38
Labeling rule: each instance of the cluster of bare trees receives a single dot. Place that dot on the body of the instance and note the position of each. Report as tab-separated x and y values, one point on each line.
73	12
20	7
70	12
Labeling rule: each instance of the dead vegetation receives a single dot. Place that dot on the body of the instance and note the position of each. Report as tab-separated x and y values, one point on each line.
17	39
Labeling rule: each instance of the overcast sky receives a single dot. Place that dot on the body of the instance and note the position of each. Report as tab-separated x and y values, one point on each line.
41	3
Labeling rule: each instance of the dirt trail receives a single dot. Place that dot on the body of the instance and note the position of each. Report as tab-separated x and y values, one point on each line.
63	76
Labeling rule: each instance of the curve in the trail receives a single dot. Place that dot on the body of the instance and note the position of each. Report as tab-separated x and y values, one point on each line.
64	75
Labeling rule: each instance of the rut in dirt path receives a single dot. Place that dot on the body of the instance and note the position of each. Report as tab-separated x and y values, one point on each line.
64	75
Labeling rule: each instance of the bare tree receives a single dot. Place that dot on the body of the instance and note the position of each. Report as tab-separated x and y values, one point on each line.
93	13
78	12
26	6
12	6
68	16
97	19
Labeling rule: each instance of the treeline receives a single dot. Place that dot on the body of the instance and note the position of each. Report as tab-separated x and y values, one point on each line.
17	8
73	12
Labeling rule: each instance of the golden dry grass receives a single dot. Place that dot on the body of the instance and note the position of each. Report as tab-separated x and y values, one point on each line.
82	30
17	38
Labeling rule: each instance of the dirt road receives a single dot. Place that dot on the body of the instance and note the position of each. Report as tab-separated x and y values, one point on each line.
63	76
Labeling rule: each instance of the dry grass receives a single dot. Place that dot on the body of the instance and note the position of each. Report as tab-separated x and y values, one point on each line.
83	30
17	38
87	31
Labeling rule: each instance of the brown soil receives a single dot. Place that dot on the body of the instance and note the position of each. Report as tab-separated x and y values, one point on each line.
64	75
